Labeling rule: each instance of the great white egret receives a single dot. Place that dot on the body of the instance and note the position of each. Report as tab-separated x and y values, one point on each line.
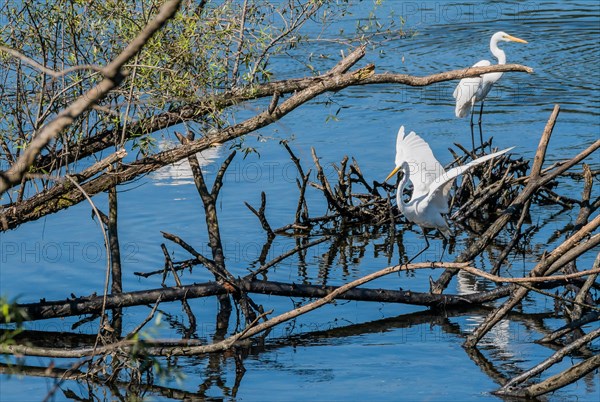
475	89
431	183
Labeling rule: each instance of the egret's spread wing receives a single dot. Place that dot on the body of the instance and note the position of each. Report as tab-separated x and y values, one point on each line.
466	90
441	187
424	168
438	199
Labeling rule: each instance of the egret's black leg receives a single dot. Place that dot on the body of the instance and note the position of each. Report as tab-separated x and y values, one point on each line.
479	122
421	252
472	135
444	245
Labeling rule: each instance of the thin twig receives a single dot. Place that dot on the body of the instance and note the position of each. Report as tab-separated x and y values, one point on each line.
108	256
46	70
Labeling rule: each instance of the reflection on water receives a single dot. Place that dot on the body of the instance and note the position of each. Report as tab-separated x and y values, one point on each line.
498	337
180	173
344	355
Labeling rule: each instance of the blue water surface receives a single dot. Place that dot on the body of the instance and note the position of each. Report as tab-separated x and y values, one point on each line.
347	350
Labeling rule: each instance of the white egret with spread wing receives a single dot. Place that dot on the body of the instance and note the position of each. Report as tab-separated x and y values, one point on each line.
475	89
431	183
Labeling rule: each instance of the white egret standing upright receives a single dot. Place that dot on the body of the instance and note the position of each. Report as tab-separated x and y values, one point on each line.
431	183
475	89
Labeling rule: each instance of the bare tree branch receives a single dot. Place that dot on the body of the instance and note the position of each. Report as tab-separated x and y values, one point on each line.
113	76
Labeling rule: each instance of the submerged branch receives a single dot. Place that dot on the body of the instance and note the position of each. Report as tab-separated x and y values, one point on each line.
89	305
510	387
556	381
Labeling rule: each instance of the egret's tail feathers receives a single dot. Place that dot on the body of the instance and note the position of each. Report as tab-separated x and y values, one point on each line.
462	110
466	92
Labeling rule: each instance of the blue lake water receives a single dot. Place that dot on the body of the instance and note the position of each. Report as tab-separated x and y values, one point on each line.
348	350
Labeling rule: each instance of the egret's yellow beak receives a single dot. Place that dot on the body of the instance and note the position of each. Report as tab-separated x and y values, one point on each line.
514	39
394	172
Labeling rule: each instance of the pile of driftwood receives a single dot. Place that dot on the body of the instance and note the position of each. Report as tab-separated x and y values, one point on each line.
493	201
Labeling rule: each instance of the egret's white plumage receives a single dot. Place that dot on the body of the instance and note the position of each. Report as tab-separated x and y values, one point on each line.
431	182
475	89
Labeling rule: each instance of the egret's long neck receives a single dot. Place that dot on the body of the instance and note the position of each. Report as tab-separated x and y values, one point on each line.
400	191
497	52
